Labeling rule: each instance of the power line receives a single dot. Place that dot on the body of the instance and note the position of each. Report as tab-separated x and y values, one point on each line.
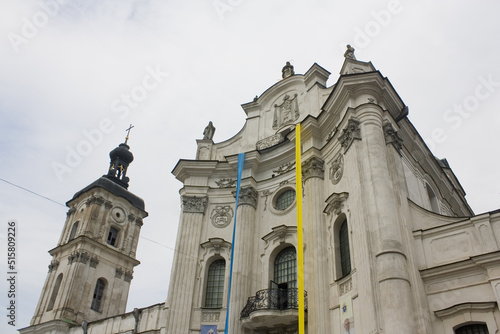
32	192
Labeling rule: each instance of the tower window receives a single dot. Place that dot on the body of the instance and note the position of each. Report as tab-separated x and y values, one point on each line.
98	295
285	199
473	329
345	255
72	234
112	236
215	284
55	291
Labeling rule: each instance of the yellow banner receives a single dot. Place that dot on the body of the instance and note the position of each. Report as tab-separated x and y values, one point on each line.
300	242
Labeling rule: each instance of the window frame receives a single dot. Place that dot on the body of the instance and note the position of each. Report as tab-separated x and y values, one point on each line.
215	292
98	295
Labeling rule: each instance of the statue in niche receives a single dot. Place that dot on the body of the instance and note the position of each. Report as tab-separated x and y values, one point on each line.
209	131
287	71
287	112
349	53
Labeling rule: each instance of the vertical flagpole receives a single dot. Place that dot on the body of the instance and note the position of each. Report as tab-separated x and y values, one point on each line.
241	158
300	243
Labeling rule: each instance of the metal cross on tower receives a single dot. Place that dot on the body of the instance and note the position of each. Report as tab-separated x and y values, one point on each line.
128	133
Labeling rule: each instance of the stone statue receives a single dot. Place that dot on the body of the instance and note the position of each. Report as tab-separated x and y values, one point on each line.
287	70
136	313
209	131
85	325
349	53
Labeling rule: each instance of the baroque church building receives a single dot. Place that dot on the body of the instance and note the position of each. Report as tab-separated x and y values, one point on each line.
390	244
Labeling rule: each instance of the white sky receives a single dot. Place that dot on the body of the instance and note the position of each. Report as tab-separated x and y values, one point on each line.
70	73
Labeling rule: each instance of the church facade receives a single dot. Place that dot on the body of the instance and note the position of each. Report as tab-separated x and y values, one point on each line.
390	243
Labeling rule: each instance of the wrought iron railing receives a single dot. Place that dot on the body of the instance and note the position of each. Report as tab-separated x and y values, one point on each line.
273	299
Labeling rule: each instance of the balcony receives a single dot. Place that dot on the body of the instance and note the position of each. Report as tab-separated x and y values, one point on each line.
272	307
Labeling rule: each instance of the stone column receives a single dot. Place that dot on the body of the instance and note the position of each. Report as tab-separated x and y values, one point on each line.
394	291
181	289
244	255
315	238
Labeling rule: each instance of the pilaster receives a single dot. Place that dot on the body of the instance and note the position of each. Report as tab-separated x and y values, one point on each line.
182	282
244	255
315	236
395	300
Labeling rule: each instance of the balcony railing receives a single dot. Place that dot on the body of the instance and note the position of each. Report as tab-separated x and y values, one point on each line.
273	299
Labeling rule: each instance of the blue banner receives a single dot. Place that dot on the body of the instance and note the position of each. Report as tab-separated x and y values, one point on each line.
208	329
241	159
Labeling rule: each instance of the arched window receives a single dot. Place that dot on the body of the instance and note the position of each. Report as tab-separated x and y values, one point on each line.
98	296
432	199
112	236
285	268
472	329
72	234
55	291
215	284
345	255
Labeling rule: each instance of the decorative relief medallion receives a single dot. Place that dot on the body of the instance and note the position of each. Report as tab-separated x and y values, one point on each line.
351	132
287	112
284	168
118	215
221	216
226	183
337	169
194	204
392	137
313	167
270	141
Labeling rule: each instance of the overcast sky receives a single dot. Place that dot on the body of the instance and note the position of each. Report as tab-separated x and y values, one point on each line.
70	69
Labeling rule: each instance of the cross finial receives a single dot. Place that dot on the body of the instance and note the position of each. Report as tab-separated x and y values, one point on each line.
128	133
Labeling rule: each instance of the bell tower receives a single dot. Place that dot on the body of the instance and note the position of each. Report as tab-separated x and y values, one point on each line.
92	265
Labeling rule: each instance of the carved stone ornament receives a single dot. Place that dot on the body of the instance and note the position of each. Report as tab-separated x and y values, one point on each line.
53	265
78	256
217	244
194	204
248	196
313	167
287	112
226	183
270	141
337	169
127	276
210	316
94	261
392	137
351	132
119	272
335	203
284	168
221	216
70	212
345	287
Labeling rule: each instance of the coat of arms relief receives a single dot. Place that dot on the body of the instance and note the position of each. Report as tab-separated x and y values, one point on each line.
287	112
